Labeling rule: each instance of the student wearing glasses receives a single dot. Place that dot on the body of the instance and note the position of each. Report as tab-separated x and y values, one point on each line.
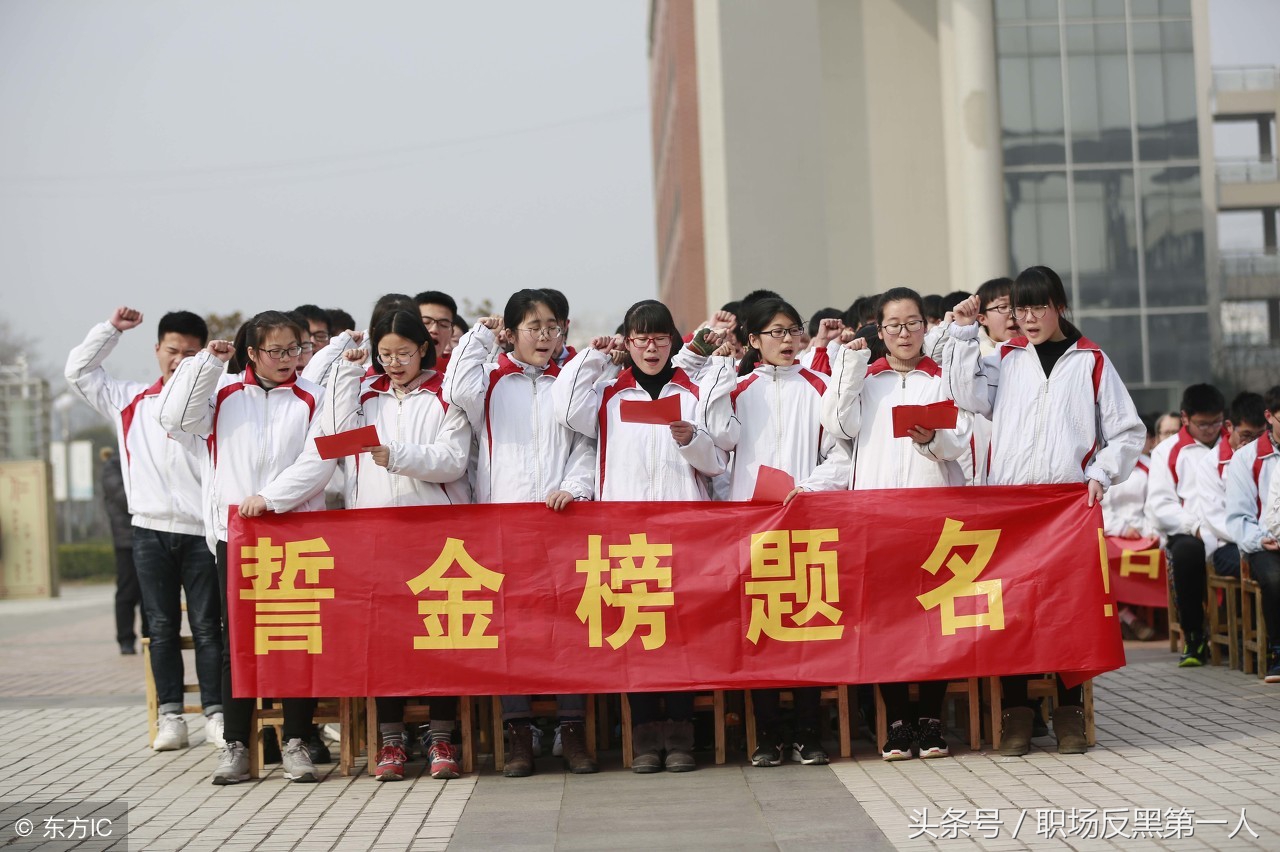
859	405
315	321
258	415
439	313
641	461
525	456
421	462
1060	414
768	412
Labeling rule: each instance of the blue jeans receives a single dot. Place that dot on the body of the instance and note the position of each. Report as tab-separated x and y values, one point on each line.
168	564
517	707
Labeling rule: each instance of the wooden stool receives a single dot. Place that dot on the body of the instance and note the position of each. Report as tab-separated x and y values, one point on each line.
1176	637
417	714
339	710
541	707
1221	632
185	643
1253	627
713	701
838	695
1038	687
969	689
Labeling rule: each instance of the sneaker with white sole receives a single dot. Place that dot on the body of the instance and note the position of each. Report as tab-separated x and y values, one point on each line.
807	749
171	733
391	761
557	747
233	767
213	730
443	760
296	759
930	741
900	743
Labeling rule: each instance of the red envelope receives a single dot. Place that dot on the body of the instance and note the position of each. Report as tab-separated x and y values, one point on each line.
772	485
936	415
660	412
348	443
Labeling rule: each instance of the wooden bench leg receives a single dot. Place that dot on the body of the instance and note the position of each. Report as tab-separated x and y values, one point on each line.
467	733
975	714
371	734
717	699
749	710
628	742
499	755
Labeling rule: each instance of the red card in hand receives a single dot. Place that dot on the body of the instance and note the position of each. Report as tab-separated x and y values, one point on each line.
348	443
660	412
772	485
936	415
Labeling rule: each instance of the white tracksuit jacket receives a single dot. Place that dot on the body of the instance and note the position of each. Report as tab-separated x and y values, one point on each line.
253	434
1076	424
1210	483
1124	504
1171	485
524	453
773	416
1250	474
634	461
858	405
161	473
429	444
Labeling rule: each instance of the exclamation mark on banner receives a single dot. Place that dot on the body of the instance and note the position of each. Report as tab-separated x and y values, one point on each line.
1107	609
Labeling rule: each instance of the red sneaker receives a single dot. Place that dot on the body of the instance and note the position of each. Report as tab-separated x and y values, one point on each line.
391	759
444	763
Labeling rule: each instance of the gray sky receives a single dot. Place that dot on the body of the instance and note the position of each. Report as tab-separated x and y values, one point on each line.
251	155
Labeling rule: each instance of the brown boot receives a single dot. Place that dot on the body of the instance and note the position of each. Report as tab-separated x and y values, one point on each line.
646	743
1015	731
520	757
1068	727
573	740
679	742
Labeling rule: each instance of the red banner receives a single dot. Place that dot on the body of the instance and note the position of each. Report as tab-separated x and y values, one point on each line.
1139	575
849	587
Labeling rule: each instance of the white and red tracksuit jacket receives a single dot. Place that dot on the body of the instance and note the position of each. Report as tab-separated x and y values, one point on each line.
1250	481
772	416
1078	423
429	444
1124	505
253	433
858	405
524	453
1171	484
634	461
161	473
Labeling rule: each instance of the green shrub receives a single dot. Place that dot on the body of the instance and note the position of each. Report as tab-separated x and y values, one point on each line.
87	560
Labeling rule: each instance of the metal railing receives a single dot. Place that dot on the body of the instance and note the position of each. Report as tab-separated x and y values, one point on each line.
1247	170
1250	264
1246	78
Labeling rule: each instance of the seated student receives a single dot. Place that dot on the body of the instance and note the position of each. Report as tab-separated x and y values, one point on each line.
768	411
162	486
1124	516
422	462
525	457
1251	487
258	415
439	314
859	405
1172	512
1248	422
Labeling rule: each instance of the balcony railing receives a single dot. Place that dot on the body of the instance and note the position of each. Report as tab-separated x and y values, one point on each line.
1254	264
1247	170
1246	78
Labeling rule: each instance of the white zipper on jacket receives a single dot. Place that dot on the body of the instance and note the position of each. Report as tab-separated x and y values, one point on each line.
777	420
537	445
1040	455
266	436
395	480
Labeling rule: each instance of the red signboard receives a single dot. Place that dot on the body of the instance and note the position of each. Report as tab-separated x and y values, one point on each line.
1139	575
849	587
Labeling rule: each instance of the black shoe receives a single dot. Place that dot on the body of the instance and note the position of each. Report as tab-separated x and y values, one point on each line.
270	746
929	739
768	751
317	748
1273	667
901	742
128	649
807	749
1038	726
1196	652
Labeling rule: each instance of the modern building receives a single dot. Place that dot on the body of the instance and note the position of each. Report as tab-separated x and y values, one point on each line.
834	148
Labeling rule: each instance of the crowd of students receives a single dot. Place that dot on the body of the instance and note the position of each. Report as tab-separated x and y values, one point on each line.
504	410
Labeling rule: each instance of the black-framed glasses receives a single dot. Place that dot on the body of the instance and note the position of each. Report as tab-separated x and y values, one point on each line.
432	322
1003	310
393	358
320	338
280	354
662	341
779	333
895	328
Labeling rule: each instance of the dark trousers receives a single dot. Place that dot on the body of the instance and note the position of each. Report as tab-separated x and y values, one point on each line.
1186	562
897	700
1014	691
128	598
769	714
169	564
648	707
444	708
1264	567
1226	561
238	712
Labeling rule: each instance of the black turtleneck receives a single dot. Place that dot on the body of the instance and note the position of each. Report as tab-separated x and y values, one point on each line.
1051	350
653	385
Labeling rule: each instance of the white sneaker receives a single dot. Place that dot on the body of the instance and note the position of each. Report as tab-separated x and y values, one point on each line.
537	739
557	747
171	734
213	730
296	760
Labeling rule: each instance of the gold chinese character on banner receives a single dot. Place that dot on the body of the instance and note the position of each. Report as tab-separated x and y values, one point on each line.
789	569
454	631
286	591
638	579
964	582
1145	562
